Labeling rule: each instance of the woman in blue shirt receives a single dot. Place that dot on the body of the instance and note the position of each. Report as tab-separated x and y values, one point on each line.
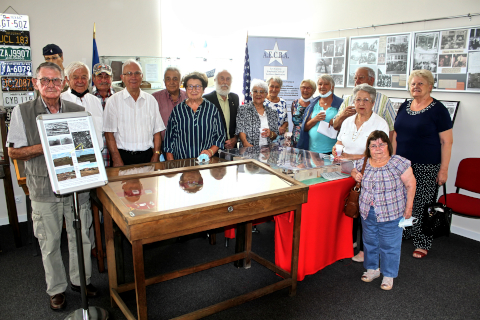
322	108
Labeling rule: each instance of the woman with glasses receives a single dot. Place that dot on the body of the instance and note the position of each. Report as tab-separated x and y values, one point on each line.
355	130
321	109
257	125
195	126
388	189
423	135
307	89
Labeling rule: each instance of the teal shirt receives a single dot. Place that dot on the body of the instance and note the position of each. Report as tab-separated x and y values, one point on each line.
318	142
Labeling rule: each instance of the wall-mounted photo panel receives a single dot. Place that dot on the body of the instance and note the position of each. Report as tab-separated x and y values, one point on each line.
396	103
326	56
452	55
388	55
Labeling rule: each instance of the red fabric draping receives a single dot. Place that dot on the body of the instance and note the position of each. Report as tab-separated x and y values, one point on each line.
325	233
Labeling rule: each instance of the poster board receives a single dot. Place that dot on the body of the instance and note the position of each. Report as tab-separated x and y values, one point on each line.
72	154
452	55
327	56
452	107
387	54
396	103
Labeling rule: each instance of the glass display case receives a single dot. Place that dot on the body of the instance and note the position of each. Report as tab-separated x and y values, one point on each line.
296	163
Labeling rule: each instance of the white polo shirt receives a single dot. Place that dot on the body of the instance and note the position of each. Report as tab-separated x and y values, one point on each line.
133	123
353	140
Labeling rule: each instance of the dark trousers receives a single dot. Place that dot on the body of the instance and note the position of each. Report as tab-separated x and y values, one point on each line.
134	157
356	223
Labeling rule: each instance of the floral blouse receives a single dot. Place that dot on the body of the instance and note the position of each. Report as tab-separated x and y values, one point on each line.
248	122
297	115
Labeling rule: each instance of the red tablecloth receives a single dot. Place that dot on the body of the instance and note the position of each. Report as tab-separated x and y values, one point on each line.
325	233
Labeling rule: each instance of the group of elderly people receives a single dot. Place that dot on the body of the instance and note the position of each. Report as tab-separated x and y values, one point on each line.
406	158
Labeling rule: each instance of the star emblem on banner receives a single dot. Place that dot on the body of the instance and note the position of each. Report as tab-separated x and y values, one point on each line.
275	54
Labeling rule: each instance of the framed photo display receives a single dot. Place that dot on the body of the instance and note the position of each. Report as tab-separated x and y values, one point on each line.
396	103
386	54
327	56
72	154
452	55
452	107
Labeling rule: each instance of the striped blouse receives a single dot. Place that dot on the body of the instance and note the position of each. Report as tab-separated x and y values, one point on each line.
383	189
189	133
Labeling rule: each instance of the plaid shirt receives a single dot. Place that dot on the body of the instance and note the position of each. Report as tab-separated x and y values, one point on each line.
383	189
103	101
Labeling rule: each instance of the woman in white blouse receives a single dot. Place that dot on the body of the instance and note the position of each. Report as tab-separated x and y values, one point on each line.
356	129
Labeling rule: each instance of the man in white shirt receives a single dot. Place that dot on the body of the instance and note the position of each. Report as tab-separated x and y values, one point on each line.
132	121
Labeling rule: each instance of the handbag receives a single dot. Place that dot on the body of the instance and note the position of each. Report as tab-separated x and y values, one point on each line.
351	208
437	218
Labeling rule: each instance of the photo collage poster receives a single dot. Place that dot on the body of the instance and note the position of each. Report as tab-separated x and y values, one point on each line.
73	156
453	56
387	55
327	56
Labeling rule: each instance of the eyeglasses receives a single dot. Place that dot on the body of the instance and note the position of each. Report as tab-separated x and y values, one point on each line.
46	81
197	87
130	73
380	146
257	91
362	100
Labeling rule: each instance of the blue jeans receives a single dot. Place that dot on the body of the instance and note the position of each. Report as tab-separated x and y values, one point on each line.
382	243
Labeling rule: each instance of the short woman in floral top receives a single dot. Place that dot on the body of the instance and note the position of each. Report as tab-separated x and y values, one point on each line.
388	189
307	89
274	102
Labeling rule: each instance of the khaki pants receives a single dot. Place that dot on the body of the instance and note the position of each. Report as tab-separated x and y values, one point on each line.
47	225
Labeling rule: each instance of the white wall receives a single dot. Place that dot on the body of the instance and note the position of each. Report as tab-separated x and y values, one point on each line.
122	28
133	28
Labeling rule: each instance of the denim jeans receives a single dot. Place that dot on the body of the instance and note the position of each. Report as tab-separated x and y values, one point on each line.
382	243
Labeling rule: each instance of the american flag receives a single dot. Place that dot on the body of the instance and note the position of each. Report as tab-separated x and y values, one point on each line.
246	76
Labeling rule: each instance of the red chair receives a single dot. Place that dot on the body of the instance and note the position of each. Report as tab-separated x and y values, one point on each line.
468	178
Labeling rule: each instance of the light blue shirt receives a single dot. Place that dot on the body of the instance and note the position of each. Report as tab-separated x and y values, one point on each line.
319	142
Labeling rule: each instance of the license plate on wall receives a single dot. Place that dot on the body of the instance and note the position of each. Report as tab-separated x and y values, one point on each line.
11	99
14	22
17	84
15	53
14	38
15	69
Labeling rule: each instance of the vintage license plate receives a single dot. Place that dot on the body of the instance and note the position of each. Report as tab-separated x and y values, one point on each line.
15	53
14	22
17	84
16	69
11	99
15	38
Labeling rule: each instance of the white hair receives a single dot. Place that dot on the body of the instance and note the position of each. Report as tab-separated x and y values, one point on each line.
259	83
74	66
170	69
220	71
129	62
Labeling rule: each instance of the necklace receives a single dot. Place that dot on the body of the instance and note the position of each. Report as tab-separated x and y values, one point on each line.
356	133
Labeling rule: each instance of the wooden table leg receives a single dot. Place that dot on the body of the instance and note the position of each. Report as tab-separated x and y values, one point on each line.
98	238
140	287
240	243
295	249
110	246
118	244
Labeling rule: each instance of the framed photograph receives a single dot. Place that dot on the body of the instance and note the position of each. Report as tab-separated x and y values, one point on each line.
327	56
387	55
72	153
452	107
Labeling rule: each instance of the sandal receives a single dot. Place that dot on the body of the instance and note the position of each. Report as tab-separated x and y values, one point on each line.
420	253
387	283
370	275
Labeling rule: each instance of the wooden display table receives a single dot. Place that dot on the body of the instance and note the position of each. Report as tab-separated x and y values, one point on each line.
160	205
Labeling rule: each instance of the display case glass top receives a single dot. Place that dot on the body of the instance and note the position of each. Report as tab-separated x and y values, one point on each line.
194	186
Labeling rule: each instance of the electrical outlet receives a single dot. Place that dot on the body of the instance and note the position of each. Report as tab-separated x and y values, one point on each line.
18	199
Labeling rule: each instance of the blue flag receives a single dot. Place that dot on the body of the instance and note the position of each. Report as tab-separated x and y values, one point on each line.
95	58
246	76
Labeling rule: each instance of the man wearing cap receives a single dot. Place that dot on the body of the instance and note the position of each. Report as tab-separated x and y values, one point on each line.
132	122
102	80
48	209
53	53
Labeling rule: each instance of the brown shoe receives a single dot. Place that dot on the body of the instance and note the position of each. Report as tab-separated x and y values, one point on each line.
91	290
57	301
